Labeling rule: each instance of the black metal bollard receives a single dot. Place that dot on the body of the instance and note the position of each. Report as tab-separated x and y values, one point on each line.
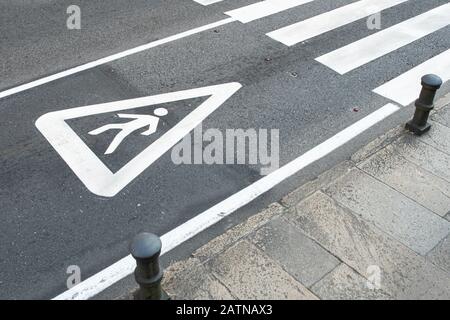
419	124
146	248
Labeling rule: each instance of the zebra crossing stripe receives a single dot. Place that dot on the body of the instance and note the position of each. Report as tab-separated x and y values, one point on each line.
404	88
307	29
381	43
263	9
207	2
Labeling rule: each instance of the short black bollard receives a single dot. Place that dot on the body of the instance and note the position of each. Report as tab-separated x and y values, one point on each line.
419	124
146	248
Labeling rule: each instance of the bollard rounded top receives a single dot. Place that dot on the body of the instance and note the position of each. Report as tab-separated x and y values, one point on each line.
145	245
432	80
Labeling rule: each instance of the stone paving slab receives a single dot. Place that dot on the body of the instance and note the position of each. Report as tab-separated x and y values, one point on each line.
391	211
321	181
424	155
250	274
440	255
443	117
190	279
346	284
405	274
376	145
438	137
225	240
303	258
406	177
442	103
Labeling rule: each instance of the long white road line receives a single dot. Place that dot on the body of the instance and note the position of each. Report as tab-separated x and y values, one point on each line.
381	43
310	28
404	88
113	57
263	9
105	278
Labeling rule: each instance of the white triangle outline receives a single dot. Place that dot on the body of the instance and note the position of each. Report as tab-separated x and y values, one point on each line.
94	174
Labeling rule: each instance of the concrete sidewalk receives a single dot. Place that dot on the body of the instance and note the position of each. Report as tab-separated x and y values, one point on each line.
374	227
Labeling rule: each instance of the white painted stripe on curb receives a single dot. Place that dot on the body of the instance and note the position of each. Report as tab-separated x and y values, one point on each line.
307	29
124	267
263	9
381	43
111	58
404	89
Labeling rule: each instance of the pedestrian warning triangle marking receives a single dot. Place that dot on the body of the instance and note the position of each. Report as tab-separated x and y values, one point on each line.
94	174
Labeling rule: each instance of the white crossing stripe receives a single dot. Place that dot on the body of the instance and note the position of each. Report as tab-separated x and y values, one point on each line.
307	29
207	2
263	9
381	43
405	88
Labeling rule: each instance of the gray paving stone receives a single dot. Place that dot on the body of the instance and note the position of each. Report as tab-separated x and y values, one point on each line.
225	240
312	186
190	280
250	274
440	255
438	137
300	256
442	103
391	211
377	144
442	116
405	274
424	155
345	284
418	184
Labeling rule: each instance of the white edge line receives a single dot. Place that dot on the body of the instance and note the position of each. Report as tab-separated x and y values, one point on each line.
124	267
116	56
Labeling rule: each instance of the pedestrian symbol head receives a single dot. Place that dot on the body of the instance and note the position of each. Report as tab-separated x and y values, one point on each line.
160	112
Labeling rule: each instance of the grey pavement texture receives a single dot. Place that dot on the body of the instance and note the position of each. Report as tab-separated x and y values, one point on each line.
381	213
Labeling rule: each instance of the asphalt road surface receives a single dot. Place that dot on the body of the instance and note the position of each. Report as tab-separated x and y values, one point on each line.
64	201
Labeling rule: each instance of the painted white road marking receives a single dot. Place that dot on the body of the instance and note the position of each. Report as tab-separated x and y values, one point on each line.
307	29
404	89
126	128
381	43
95	175
111	58
124	267
207	2
263	9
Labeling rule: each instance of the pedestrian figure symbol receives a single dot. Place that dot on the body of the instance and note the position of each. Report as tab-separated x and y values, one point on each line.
126	128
